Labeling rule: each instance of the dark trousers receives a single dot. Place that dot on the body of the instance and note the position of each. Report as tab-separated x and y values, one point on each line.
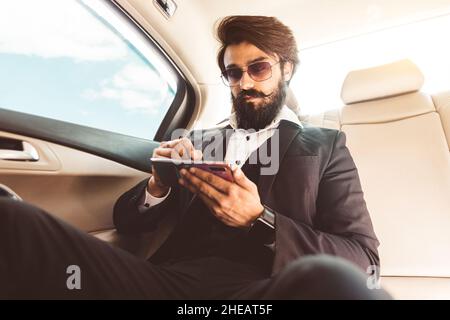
40	256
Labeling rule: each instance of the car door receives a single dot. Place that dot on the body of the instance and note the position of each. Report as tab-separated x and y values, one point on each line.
85	96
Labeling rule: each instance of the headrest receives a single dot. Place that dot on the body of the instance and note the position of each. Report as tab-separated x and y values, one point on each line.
383	81
387	110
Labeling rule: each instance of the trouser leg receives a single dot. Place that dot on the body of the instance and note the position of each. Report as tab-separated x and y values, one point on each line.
37	250
315	277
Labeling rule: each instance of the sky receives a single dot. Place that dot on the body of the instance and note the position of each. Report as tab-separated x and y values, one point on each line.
66	64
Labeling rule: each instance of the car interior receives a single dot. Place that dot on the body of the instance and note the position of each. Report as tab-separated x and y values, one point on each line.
397	129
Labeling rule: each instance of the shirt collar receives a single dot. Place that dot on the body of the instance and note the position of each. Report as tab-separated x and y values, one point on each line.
284	114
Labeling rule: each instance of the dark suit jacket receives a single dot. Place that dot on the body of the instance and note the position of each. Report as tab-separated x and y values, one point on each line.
316	195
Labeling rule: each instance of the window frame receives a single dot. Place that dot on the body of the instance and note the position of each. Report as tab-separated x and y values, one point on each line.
128	150
182	108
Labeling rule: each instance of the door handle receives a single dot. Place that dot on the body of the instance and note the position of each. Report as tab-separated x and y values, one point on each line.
29	153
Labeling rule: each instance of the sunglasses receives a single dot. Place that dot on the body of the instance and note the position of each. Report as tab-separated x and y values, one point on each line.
258	71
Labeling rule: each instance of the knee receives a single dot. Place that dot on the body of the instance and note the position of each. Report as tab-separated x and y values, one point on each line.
12	211
323	277
311	269
8	206
8	209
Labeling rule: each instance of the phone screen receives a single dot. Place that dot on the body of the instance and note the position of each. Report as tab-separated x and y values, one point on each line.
221	170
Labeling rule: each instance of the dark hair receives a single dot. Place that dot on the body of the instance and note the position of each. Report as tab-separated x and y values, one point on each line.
266	33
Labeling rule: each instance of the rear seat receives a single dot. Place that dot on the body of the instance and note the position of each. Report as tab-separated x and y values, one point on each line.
400	139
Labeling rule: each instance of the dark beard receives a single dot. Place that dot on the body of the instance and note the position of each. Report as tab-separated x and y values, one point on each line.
250	117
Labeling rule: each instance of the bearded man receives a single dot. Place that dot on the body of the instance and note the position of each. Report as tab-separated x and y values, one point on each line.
293	223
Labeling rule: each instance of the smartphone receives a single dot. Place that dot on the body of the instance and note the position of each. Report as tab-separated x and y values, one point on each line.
169	169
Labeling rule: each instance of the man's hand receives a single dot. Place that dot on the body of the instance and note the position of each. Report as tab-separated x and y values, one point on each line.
175	149
237	204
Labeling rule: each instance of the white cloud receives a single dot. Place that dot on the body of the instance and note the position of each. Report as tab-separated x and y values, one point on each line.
56	28
135	87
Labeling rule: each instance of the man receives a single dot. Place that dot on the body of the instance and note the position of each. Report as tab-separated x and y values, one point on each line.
259	236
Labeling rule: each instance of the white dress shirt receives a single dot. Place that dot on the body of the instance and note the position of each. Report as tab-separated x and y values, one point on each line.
241	145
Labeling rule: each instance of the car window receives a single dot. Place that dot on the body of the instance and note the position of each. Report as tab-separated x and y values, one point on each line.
64	60
318	81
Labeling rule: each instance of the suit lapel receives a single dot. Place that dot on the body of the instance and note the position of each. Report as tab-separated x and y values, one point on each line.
216	140
287	131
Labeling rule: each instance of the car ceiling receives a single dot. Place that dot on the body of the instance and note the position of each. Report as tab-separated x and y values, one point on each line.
189	35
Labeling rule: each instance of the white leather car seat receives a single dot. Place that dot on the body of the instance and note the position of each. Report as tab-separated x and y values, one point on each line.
400	139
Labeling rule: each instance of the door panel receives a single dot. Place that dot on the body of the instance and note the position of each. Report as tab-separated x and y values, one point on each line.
76	186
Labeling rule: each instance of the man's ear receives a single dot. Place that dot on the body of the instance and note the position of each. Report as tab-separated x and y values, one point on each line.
287	70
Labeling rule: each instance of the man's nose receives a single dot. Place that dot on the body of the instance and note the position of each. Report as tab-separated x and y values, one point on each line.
246	82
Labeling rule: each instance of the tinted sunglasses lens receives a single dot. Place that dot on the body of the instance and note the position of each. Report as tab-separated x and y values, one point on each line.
233	75
260	71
